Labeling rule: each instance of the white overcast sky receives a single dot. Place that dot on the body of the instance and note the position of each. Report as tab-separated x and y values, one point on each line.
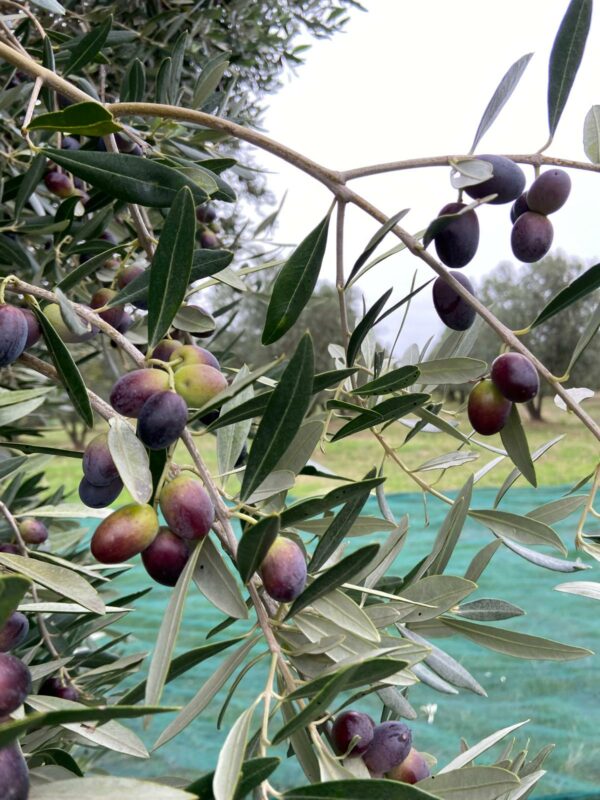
412	79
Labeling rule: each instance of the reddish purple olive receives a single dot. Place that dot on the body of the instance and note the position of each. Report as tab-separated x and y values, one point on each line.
14	631
348	725
56	688
208	240
166	557
283	570
389	747
113	316
60	184
531	237
124	533
13	334
549	191
34	332
33	531
187	507
14	775
13	549
15	683
413	769
165	349
487	408
457	243
516	377
131	391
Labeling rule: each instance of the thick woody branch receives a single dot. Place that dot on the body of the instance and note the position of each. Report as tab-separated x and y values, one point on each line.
335	181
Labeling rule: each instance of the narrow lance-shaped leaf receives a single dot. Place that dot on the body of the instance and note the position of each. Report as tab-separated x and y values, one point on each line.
578	289
133	87
171	266
295	283
565	58
168	631
591	134
503	92
364	326
13	729
229	764
88	119
30	180
332	686
69	375
339	527
518	645
180	665
375	240
254	544
12	591
205	263
390	409
131	459
512	477
89	47
586	337
283	416
128	178
335	576
360	789
515	441
390	382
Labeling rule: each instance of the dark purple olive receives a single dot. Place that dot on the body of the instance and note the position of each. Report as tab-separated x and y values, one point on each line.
457	243
507	181
452	309
516	377
56	688
389	747
349	724
166	557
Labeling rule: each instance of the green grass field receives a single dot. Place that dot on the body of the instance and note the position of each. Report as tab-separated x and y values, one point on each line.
565	463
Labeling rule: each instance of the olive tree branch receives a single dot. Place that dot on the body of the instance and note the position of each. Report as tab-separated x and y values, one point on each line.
335	182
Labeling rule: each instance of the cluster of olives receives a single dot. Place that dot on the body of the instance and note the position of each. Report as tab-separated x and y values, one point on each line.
386	749
135	528
531	237
532	232
15	686
513	379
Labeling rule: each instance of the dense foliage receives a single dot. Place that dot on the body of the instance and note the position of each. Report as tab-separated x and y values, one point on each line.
110	244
